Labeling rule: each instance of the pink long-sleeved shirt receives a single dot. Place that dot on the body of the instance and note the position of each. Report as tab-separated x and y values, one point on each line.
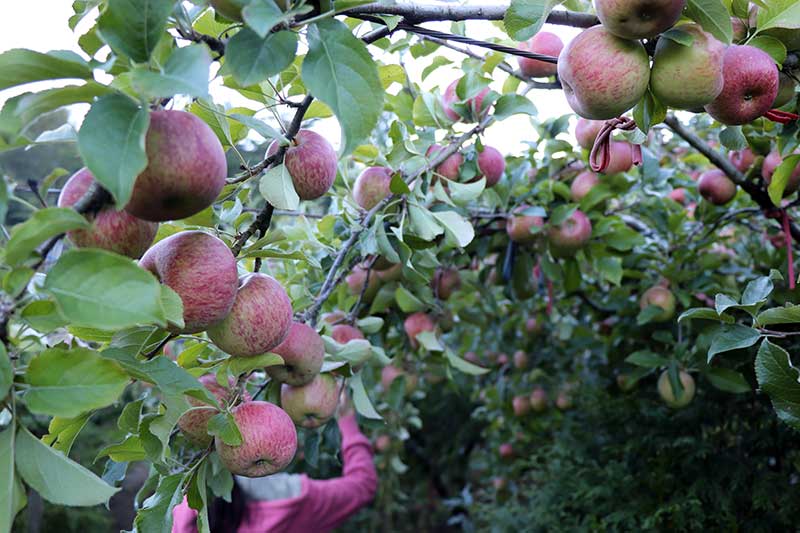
322	504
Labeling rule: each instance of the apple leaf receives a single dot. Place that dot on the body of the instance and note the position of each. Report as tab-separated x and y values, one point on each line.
732	138
462	365
779	378
41	226
772	46
134	27
713	16
223	425
252	59
61	432
12	493
19	66
277	188
781	178
779	14
524	18
263	15
513	104
732	337
728	380
361	400
156	512
186	72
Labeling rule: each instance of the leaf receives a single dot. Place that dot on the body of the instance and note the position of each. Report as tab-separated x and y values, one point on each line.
8	479
263	15
422	223
728	380
155	515
6	372
647	359
704	313
111	143
780	380
277	188
406	300
43	316
649	112
732	337
103	290
361	400
779	315
457	228
259	126
128	450
713	17
19	66
429	341
723	302
223	425
41	226
134	27
772	46
513	104
252	59
781	178
62	432
679	36
462	365
172	305
28	107
339	71
732	138
398	185
66	383
237	366
56	477
757	291
186	72
779	14
524	18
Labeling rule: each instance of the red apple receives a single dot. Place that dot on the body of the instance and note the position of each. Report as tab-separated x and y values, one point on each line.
445	281
520	360
491	164
771	163
571	235
450	168
372	186
519	226
620	157
716	187
475	103
521	405
344	333
415	324
582	185
194	423
313	404
312	163
586	132
383	443
742	159
660	297
544	43
303	351
678	195
506	451
638	19
538	399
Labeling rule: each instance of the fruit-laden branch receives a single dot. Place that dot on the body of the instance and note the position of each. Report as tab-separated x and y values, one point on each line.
416	13
505	67
756	192
310	315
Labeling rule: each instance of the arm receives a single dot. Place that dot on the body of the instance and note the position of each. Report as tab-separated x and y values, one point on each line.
334	500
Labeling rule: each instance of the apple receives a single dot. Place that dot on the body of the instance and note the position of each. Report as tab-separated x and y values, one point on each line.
311	162
586	132
334	317
313	404
269	441
519	226
532	326
393	273
202	270
678	195
117	231
185	172
390	372
638	19
667	393
520	360
475	103
491	164
750	87
415	324
506	451
716	187
539	400
372	186
259	320
742	159
194	423
344	333
472	357
303	351
602	75
544	43
688	76
502	359
662	297
786	90
383	443
563	401
358	277
499	483
521	405
625	382
582	185
771	163
445	281
620	157
450	168
571	235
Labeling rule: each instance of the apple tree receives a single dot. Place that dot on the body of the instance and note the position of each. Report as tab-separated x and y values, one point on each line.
530	337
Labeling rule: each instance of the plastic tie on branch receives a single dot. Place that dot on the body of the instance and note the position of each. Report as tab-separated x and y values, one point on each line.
781	117
789	256
600	156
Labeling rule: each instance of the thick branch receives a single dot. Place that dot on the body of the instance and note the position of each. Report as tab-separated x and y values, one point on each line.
416	13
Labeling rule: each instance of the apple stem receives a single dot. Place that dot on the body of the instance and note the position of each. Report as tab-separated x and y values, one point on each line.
789	255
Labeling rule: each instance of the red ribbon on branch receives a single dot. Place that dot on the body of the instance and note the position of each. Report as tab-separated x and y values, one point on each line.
600	156
781	117
789	256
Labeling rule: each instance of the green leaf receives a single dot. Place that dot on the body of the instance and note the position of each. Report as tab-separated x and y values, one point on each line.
55	476
429	341
62	432
780	380
340	71
6	372
111	143
649	112
457	228
647	359
422	223
679	36
464	366
610	267
263	15
186	72
99	289
732	337
781	178
277	188
757	291
779	14
41	226
252	59
128	450
463	193
704	313
361	400
19	66
67	383
779	315
398	185
155	515
223	425
134	27
713	17
524	18
12	493
728	380
172	305
259	126
732	138
513	104
406	300
237	366
43	316
774	47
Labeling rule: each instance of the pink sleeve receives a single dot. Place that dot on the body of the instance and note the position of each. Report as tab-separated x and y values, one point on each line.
334	500
184	519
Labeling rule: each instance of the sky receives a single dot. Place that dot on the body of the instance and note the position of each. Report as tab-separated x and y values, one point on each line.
42	25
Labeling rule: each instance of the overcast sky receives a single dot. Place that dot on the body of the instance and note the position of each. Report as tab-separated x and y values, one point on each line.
42	25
